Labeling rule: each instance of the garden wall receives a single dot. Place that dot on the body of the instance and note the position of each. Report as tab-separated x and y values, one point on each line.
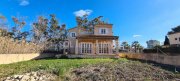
163	59
88	56
11	58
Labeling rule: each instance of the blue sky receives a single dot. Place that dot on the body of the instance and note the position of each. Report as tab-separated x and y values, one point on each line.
139	20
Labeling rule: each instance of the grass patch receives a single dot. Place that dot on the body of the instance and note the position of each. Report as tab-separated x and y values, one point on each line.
57	66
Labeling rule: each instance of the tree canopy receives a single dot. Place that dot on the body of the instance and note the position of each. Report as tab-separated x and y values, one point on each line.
174	30
86	24
166	42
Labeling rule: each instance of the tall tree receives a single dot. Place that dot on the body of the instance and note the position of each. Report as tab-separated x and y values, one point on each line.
3	31
3	21
49	32
39	29
17	29
174	30
166	42
58	34
4	28
85	24
125	45
136	46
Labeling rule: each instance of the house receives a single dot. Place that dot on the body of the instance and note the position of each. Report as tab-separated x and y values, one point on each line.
174	38
100	40
152	43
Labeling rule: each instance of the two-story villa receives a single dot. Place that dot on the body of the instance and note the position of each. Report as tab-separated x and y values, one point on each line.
174	39
99	41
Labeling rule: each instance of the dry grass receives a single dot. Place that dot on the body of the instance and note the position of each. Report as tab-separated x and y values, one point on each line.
11	46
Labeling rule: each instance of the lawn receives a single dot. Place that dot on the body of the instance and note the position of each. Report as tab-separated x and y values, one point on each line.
91	69
57	66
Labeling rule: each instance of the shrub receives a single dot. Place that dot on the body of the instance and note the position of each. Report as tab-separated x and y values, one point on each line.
9	45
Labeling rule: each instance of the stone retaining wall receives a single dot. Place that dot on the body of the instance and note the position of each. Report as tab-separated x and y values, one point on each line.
11	58
164	59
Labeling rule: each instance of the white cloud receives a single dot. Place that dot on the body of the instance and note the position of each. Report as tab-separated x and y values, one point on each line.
137	36
24	3
81	13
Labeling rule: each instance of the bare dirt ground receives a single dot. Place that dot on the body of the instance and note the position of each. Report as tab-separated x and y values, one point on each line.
121	71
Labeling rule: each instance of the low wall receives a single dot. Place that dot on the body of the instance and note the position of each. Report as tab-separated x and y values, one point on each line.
89	56
11	58
164	59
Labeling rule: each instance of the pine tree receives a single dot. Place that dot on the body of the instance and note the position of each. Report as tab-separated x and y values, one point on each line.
166	42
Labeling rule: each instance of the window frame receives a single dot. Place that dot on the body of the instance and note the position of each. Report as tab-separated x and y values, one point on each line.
103	31
86	47
73	34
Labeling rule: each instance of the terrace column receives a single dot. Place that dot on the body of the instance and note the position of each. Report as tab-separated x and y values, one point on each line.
76	47
93	48
109	48
97	47
117	46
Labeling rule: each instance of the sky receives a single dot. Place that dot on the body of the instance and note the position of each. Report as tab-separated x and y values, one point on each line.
133	20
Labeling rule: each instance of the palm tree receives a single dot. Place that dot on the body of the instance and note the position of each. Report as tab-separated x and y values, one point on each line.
136	45
126	45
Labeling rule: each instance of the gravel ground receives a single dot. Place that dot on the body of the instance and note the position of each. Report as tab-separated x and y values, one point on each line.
33	76
121	71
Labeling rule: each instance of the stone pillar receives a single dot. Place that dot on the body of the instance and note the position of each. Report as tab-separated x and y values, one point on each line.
117	46
76	47
97	47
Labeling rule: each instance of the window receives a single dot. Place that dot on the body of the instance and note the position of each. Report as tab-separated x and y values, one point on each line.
103	31
103	48
175	38
86	48
73	34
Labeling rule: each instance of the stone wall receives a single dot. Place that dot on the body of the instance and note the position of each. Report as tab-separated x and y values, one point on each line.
11	58
163	59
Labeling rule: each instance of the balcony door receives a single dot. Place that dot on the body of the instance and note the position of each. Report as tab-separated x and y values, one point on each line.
86	48
103	48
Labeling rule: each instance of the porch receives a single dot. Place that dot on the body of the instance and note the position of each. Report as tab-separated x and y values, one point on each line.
95	44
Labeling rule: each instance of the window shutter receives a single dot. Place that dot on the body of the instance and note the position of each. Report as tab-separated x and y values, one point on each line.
107	31
100	30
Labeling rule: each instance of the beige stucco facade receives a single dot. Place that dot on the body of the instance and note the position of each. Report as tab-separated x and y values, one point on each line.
174	39
94	42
